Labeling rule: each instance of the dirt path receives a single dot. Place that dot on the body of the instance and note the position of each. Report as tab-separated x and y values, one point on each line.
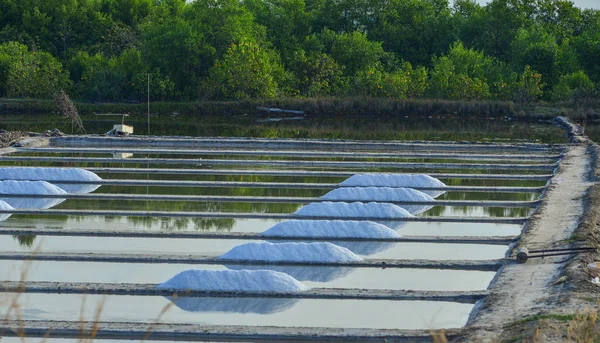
525	290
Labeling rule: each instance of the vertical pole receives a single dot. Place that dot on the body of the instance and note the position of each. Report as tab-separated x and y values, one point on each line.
148	103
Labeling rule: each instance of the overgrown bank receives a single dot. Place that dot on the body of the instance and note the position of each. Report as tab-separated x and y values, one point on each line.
319	107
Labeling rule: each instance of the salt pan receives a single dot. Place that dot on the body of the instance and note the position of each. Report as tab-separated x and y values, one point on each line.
233	281
53	174
353	210
290	252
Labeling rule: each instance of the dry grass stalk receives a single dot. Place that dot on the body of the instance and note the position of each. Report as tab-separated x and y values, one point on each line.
14	307
166	308
584	328
439	336
69	110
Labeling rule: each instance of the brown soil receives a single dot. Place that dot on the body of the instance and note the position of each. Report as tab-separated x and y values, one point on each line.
8	138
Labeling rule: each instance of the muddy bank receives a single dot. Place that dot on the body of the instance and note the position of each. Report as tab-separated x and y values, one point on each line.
539	299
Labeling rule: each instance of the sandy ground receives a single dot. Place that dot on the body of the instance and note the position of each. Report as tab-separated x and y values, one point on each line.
543	299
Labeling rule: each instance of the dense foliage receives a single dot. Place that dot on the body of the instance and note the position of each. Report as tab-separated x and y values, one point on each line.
104	50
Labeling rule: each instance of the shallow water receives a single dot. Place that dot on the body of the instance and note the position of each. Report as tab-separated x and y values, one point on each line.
330	277
216	247
240	225
250	311
367	127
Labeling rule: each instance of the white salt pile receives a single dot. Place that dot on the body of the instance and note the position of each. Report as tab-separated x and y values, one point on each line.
383	194
233	281
30	187
53	174
290	252
353	210
5	207
330	228
395	180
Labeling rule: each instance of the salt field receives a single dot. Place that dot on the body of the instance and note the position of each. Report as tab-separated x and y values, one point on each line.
322	234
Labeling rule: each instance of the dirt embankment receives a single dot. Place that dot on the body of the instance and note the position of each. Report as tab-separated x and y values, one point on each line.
552	299
8	138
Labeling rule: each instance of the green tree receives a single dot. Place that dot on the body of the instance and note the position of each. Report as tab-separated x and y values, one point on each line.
246	71
178	50
571	84
27	73
317	74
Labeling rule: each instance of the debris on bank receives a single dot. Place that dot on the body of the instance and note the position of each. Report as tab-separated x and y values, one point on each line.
53	133
8	138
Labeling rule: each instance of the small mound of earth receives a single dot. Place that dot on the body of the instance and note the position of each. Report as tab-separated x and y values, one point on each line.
7	138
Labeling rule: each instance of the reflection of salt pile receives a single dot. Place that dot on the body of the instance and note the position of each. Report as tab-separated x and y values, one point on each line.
330	228
30	187
53	174
239	305
302	273
384	194
290	252
396	180
337	229
233	281
353	210
5	207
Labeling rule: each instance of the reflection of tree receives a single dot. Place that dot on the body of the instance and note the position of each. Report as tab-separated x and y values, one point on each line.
181	206
469	211
178	224
383	128
488	196
25	240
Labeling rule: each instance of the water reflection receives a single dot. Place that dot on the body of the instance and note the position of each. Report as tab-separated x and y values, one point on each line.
363	248
446	128
302	273
25	240
238	305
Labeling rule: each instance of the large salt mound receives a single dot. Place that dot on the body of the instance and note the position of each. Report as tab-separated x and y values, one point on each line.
239	305
353	210
53	174
384	194
30	187
395	180
330	228
233	281
290	252
5	207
